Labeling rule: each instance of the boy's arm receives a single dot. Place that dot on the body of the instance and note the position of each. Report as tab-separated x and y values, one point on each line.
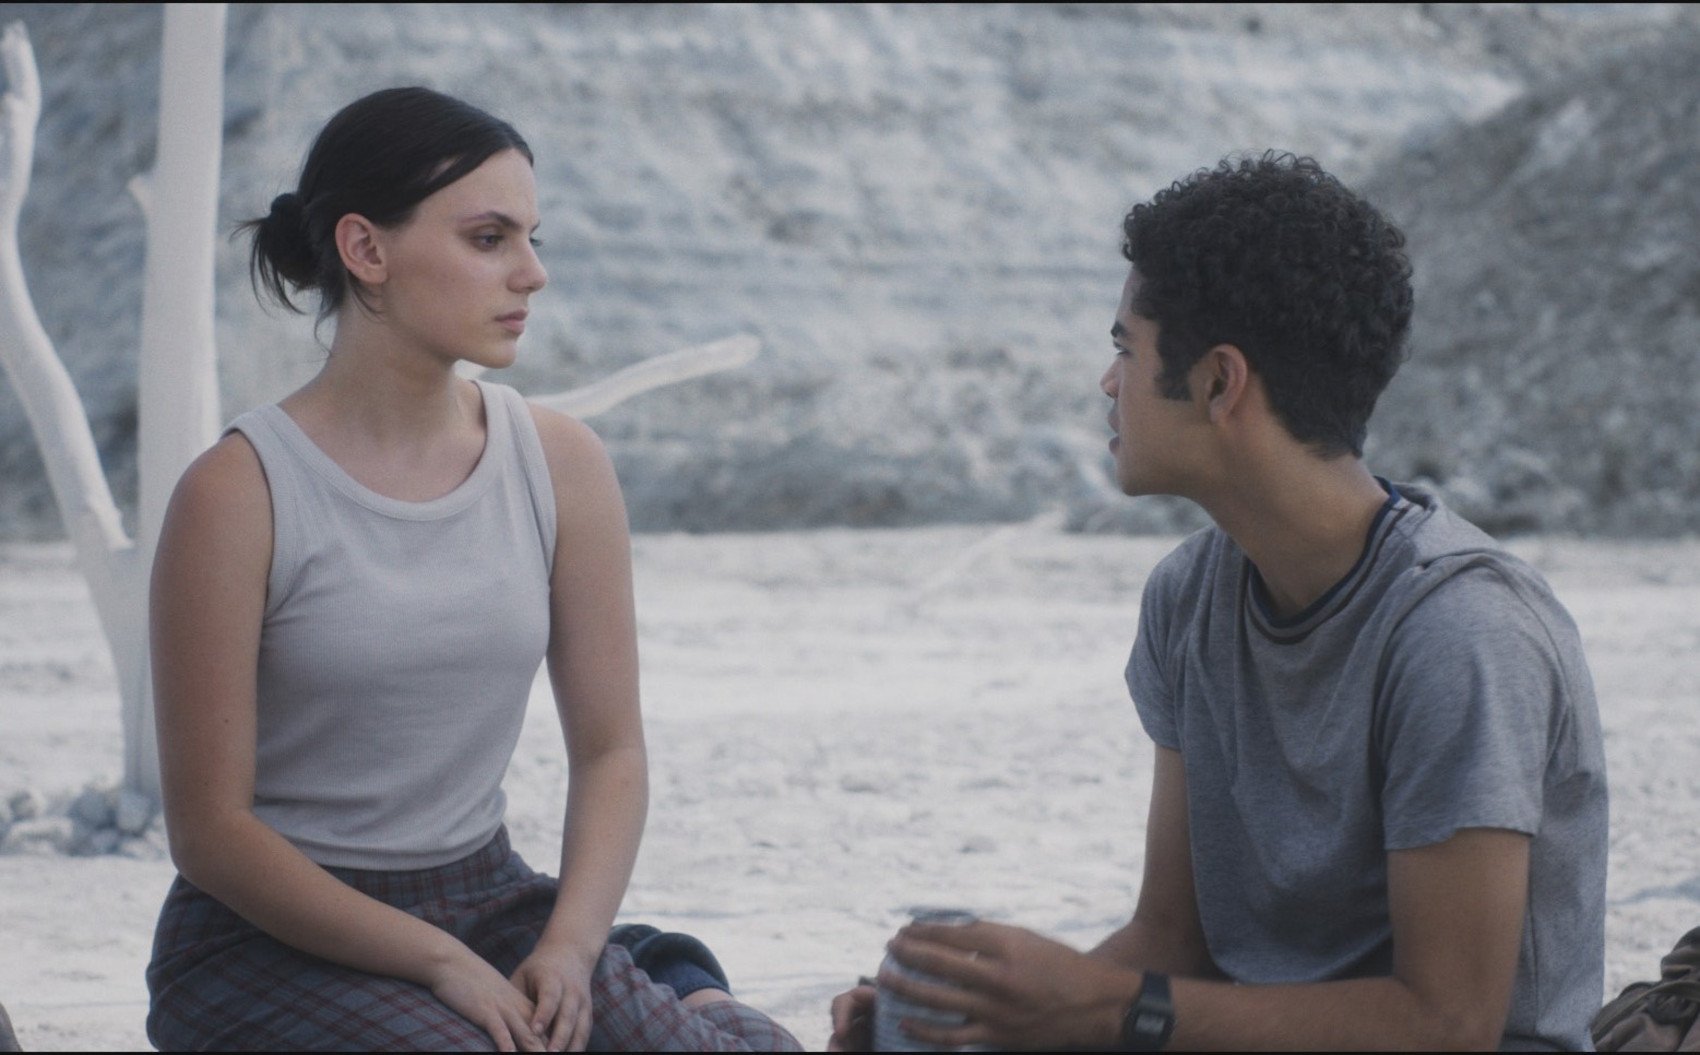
1164	934
1457	909
1457	912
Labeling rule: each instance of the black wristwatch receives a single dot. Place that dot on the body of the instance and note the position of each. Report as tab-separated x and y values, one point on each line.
1151	1018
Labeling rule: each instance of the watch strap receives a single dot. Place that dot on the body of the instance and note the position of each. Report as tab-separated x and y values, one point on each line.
1151	1020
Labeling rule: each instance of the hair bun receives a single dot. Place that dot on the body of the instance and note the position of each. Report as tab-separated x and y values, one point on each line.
287	210
282	239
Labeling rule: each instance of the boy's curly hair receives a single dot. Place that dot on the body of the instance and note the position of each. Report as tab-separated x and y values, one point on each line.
1274	256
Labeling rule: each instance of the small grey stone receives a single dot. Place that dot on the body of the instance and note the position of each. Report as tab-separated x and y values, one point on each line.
143	848
104	841
93	842
25	805
135	812
93	808
41	836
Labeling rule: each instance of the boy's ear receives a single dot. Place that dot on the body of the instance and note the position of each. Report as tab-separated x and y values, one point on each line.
1222	376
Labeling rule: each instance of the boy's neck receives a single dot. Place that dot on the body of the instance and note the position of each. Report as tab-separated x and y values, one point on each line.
1303	524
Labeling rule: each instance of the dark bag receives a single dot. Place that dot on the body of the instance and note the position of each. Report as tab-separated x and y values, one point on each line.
1657	1016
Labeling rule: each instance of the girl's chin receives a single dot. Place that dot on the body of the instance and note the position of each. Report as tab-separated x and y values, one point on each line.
494	358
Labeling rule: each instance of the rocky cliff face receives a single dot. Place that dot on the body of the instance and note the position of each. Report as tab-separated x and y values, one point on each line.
916	209
1554	381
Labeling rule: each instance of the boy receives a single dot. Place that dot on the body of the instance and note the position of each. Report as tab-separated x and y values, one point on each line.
1378	815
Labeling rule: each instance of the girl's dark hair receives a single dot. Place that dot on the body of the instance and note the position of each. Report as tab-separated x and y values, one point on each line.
380	156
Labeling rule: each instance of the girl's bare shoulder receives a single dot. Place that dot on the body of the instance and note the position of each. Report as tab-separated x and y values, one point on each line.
572	448
223	492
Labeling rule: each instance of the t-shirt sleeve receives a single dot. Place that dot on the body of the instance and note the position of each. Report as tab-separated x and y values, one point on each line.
1153	694
1472	696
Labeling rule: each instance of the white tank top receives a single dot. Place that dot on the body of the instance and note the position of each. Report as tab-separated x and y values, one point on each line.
399	645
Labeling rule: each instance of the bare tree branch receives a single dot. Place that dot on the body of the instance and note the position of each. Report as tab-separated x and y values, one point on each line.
20	109
34	368
977	552
682	365
178	389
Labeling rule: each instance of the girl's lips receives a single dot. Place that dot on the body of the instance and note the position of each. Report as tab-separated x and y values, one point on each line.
514	322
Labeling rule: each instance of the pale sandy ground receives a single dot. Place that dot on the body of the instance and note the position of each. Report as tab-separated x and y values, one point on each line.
841	727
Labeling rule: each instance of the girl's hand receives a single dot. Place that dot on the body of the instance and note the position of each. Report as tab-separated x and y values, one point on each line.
478	991
556	979
853	1019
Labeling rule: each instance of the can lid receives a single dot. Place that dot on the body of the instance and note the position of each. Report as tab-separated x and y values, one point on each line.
948	917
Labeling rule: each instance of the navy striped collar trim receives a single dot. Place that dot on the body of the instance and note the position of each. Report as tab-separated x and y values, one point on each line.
1295	628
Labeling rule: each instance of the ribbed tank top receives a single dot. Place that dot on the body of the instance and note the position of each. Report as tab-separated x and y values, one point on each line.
399	644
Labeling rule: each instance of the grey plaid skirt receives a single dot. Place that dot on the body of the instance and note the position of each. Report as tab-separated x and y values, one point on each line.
218	983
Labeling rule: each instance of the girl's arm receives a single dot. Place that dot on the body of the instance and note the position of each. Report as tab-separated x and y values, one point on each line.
593	667
205	608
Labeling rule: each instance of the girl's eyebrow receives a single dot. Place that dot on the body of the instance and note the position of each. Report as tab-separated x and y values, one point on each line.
501	218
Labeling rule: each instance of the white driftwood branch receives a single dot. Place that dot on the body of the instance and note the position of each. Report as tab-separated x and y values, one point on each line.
36	372
975	553
141	189
177	383
682	365
21	109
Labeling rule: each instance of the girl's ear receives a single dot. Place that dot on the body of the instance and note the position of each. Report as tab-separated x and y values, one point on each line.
360	245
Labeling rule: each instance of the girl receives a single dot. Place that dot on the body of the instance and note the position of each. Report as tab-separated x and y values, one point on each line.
353	591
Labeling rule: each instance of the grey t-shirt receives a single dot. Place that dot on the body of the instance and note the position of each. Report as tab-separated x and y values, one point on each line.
1439	686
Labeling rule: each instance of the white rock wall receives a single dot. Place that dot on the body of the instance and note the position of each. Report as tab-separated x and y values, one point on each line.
916	208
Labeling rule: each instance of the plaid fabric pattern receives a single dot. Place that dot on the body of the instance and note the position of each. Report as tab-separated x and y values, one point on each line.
218	983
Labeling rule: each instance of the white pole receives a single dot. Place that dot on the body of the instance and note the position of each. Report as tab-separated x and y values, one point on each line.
177	375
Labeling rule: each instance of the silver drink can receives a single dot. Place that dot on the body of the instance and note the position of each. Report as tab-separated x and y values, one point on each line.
890	1009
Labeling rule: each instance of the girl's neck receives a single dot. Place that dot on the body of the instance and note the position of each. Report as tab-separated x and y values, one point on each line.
385	389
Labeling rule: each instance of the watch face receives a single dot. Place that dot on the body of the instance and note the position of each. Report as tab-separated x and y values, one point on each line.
1148	1024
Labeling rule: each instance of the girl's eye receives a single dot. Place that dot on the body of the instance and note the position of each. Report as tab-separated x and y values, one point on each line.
537	243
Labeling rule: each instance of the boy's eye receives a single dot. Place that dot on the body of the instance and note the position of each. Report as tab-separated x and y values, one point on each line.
488	241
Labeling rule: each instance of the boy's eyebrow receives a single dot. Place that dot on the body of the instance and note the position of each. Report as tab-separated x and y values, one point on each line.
1118	332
